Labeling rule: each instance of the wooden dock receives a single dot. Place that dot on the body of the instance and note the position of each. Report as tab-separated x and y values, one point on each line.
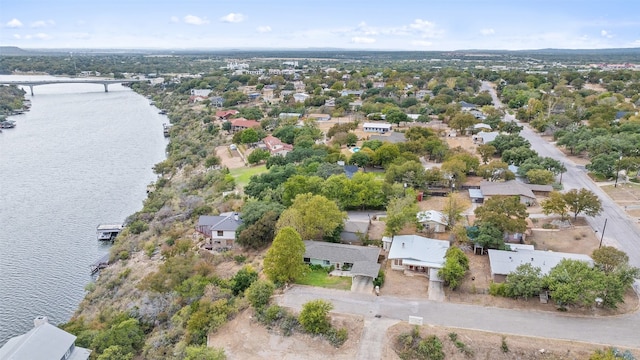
100	264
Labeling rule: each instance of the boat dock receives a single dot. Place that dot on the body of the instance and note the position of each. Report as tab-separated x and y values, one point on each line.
108	231
100	264
166	128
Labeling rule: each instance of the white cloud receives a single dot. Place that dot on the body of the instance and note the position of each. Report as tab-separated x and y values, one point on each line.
14	23
42	36
264	29
42	23
362	40
487	32
233	18
422	43
195	20
174	19
426	29
17	36
605	33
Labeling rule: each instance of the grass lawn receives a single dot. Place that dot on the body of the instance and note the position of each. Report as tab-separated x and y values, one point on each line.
320	278
242	175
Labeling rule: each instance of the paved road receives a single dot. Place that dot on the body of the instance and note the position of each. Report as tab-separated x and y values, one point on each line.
615	331
621	230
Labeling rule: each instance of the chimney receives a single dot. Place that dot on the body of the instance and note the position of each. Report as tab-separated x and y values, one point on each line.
236	217
403	245
40	320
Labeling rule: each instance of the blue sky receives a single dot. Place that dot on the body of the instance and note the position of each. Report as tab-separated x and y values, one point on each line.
356	24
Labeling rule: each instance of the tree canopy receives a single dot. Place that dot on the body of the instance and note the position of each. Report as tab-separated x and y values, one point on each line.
284	260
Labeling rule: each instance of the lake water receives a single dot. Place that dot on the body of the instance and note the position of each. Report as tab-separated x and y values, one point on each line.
78	158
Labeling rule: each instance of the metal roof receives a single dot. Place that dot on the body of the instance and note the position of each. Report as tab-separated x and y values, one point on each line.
43	342
475	194
419	251
505	262
363	258
432	215
222	223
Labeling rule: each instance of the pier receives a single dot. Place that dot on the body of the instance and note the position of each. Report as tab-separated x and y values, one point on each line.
99	264
104	82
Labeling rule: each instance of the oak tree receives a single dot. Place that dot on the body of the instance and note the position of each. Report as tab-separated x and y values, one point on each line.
284	259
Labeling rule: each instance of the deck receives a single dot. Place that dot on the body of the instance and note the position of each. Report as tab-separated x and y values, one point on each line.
99	264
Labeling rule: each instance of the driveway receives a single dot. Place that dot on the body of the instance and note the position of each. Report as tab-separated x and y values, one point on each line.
614	331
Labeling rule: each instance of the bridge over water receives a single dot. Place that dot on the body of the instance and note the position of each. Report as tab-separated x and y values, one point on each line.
104	82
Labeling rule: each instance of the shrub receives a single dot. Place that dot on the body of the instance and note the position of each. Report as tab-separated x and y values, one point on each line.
503	346
314	316
259	293
138	227
240	259
337	337
497	289
123	255
379	281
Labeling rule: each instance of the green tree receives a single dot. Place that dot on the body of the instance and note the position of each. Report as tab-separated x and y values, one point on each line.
386	154
284	260
574	282
609	258
583	201
505	212
115	352
526	281
396	116
313	216
540	176
206	316
455	267
204	353
486	152
260	233
249	136
258	155
400	211
259	293
243	279
454	206
461	121
555	204
314	316
361	159
127	334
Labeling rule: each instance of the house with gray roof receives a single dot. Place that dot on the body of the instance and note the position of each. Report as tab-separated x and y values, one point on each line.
219	231
485	137
504	262
43	342
351	260
354	230
507	188
418	254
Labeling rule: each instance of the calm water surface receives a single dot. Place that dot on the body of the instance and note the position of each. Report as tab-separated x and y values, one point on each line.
80	157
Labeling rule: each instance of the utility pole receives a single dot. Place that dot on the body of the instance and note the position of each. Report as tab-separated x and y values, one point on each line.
603	229
617	171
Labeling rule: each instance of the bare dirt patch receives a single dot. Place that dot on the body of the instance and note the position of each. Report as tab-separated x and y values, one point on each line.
487	345
398	284
245	338
229	158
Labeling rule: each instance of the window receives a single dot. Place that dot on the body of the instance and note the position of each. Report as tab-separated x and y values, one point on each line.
307	260
326	262
220	233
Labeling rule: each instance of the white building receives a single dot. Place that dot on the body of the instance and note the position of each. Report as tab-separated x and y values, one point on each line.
381	128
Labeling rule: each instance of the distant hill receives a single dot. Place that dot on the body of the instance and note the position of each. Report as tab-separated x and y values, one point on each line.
12	51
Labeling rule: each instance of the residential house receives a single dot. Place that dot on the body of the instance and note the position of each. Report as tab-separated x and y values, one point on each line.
216	101
219	231
242	124
417	253
276	146
351	92
319	117
465	106
352	260
507	188
484	137
504	262
433	221
392	137
289	116
43	342
330	102
381	128
200	92
354	230
300	97
225	114
422	93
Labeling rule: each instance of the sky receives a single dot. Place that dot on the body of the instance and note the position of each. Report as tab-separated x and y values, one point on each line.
438	25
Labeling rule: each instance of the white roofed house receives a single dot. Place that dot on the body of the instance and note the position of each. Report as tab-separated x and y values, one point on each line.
43	342
433	221
504	262
377	127
418	254
219	231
